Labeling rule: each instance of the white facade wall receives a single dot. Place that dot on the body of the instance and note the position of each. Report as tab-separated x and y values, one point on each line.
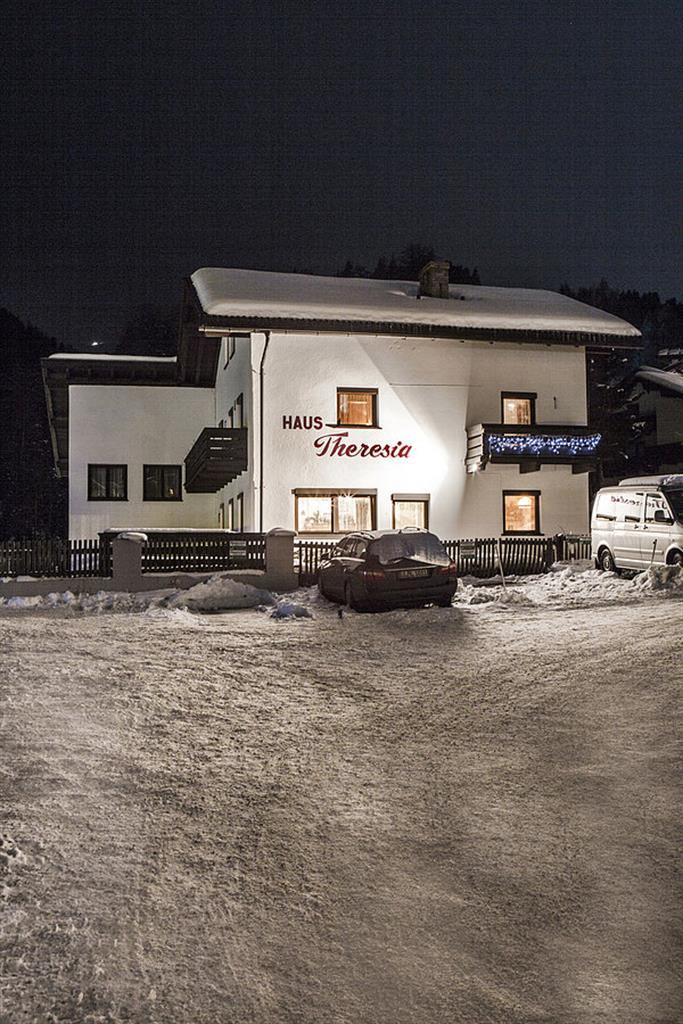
237	377
430	391
134	425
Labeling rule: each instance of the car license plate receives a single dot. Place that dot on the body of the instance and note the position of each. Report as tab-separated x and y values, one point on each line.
409	574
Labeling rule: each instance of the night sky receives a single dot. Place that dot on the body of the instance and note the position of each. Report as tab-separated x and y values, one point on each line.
539	140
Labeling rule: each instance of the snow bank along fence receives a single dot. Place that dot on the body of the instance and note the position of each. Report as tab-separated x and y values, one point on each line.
136	561
475	557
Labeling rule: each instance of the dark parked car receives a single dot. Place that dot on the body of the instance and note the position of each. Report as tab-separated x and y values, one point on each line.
388	569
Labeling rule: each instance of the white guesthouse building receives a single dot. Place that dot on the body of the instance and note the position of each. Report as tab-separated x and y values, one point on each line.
326	405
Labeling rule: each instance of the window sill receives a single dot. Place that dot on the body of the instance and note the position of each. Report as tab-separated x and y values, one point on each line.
155	500
355	426
522	533
107	499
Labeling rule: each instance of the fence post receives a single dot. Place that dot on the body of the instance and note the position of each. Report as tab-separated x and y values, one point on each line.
280	560
127	560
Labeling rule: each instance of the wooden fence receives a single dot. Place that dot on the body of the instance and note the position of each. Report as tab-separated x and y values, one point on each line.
163	552
53	557
522	556
203	552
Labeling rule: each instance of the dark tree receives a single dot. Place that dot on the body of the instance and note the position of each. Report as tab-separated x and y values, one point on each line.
33	501
408	267
150	332
611	383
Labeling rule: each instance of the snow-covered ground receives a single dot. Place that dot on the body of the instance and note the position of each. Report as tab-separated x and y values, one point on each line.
276	815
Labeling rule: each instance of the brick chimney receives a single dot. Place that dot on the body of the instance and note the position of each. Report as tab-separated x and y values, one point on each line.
434	280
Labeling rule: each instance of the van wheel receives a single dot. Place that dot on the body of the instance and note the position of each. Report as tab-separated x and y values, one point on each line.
606	561
676	558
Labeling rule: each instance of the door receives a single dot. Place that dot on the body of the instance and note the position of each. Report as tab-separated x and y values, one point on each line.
655	537
628	530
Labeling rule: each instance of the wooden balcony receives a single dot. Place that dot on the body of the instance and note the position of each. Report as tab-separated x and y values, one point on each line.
531	445
218	456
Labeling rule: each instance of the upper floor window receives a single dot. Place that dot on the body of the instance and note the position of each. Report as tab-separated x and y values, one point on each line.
521	512
162	483
357	407
519	407
107	482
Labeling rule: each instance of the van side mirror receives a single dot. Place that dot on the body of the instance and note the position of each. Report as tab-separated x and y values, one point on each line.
662	517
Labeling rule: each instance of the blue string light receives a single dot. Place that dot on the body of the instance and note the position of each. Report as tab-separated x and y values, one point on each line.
537	445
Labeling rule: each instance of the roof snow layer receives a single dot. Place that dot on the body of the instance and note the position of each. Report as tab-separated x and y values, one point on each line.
668	379
265	295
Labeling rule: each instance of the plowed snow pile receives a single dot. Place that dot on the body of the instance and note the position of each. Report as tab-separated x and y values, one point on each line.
575	588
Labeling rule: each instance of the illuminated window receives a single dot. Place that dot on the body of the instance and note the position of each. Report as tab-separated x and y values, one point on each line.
521	512
356	407
336	512
352	512
518	408
410	510
107	483
161	483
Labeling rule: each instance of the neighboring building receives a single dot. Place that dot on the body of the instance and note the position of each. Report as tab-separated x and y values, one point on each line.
332	404
658	400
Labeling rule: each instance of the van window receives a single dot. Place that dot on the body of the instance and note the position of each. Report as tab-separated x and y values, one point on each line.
653	503
628	505
605	507
676	502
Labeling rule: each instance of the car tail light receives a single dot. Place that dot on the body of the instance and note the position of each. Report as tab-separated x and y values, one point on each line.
373	574
451	570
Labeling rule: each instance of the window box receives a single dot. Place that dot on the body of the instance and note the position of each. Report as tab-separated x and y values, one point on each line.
531	445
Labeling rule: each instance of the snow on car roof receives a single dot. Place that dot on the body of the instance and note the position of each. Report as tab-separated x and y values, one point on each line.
227	292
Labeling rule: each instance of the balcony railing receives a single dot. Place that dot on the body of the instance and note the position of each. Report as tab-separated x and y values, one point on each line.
218	456
531	445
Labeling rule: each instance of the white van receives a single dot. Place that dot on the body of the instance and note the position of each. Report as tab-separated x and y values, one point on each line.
639	523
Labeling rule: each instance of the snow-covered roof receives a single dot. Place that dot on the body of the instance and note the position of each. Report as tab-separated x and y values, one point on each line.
103	357
669	379
232	293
